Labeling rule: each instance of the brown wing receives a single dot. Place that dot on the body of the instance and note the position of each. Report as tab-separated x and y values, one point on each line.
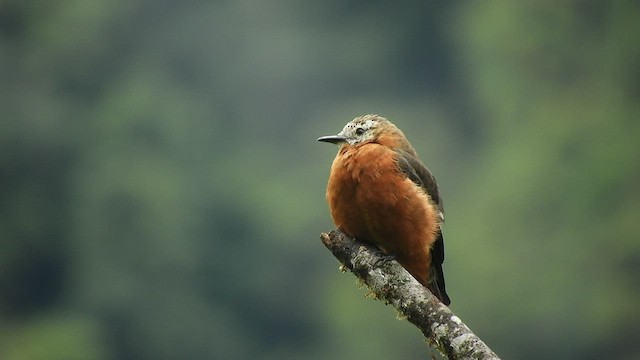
415	170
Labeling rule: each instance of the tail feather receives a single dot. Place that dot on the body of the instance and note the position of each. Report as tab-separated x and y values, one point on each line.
437	285
436	276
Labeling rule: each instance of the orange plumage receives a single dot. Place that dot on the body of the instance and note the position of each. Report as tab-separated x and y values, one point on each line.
380	192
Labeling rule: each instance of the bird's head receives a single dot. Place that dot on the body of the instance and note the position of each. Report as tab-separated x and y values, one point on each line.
364	129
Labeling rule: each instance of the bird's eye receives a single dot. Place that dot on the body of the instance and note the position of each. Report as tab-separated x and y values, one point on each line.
359	131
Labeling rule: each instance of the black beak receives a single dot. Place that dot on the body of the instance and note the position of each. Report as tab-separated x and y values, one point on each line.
334	139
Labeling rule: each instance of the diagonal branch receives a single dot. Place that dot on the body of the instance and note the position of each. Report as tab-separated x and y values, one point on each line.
391	283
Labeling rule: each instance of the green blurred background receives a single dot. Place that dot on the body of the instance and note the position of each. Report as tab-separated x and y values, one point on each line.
162	192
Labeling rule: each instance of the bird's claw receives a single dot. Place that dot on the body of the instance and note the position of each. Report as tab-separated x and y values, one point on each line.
384	259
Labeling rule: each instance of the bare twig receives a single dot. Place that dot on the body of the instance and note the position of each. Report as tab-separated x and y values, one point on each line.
391	283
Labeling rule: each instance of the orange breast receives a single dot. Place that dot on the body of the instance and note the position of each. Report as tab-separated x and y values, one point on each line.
372	200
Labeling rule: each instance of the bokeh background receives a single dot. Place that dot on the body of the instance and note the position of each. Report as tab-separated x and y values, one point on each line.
162	191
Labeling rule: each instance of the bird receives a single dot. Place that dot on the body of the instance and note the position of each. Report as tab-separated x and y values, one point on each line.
380	192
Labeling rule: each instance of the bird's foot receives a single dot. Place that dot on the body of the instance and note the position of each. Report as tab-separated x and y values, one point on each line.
384	258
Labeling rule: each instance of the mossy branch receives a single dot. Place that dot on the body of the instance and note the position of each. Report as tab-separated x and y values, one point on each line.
391	283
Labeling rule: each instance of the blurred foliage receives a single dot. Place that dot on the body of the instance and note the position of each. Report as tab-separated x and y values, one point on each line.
162	191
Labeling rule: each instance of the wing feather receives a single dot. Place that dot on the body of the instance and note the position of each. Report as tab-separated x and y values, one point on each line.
417	172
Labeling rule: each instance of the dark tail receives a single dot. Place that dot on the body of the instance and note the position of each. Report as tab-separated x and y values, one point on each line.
436	278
